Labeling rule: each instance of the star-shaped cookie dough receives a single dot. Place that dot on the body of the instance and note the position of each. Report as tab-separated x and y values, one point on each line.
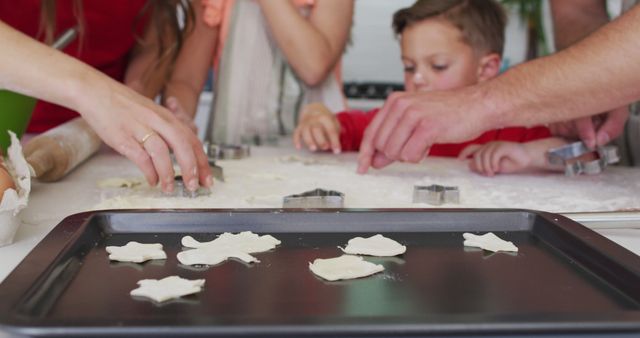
167	288
136	252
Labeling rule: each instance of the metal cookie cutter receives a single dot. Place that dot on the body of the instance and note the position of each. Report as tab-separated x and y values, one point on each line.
435	194
227	151
318	198
570	155
181	190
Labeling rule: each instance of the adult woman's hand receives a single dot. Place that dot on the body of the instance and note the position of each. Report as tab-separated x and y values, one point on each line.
144	132
130	123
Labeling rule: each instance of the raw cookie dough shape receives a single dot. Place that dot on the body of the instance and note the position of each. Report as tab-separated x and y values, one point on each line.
343	267
167	288
488	241
213	255
136	252
246	241
377	245
226	246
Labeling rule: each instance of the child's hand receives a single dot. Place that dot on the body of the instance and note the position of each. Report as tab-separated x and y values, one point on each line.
177	109
318	128
497	157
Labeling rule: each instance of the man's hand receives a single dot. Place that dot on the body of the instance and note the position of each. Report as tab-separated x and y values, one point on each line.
409	123
594	131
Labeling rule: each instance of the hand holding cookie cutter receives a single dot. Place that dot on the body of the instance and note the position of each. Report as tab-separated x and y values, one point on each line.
569	157
314	199
435	194
180	189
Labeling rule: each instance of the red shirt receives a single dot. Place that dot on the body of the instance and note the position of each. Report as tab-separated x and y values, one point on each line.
353	123
111	30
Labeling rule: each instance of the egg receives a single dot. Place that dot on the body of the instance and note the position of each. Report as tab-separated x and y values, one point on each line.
6	181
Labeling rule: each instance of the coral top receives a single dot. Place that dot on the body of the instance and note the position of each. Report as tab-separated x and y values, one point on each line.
353	124
111	29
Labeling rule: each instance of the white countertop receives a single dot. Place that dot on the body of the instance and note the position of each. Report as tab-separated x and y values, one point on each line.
271	173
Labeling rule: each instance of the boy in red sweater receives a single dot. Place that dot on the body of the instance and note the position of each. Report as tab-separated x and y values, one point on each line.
445	44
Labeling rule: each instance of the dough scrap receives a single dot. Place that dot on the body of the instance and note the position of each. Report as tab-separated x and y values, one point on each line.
377	245
226	246
167	288
343	267
136	252
488	241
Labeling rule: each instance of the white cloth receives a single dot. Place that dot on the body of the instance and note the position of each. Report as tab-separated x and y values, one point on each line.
257	97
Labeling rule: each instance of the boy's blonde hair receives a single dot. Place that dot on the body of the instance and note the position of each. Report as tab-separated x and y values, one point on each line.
482	22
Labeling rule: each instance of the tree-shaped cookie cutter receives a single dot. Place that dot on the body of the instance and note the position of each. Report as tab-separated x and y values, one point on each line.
317	198
435	194
570	155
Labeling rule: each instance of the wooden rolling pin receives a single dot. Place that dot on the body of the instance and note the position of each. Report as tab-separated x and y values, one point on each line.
56	152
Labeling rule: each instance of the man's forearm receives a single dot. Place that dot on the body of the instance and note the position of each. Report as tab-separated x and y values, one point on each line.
597	74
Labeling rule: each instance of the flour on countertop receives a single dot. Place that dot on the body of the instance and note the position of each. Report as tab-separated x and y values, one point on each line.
262	182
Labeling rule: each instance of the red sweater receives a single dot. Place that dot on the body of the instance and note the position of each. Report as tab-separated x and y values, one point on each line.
110	35
353	123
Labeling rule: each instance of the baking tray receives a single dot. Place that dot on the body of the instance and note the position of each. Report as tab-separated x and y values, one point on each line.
566	279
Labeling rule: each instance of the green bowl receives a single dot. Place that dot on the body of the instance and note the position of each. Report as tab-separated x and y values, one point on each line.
15	113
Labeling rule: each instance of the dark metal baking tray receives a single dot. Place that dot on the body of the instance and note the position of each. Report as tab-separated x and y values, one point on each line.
566	279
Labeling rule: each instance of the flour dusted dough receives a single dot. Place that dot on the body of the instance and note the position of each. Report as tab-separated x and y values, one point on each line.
167	288
344	267
136	252
226	246
488	241
377	245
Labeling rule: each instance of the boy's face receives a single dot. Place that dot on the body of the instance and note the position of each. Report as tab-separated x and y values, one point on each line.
435	57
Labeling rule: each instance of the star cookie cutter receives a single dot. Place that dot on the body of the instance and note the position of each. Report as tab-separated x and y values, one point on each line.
571	157
315	199
180	189
436	194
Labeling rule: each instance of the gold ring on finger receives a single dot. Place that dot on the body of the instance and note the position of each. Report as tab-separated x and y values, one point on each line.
146	137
